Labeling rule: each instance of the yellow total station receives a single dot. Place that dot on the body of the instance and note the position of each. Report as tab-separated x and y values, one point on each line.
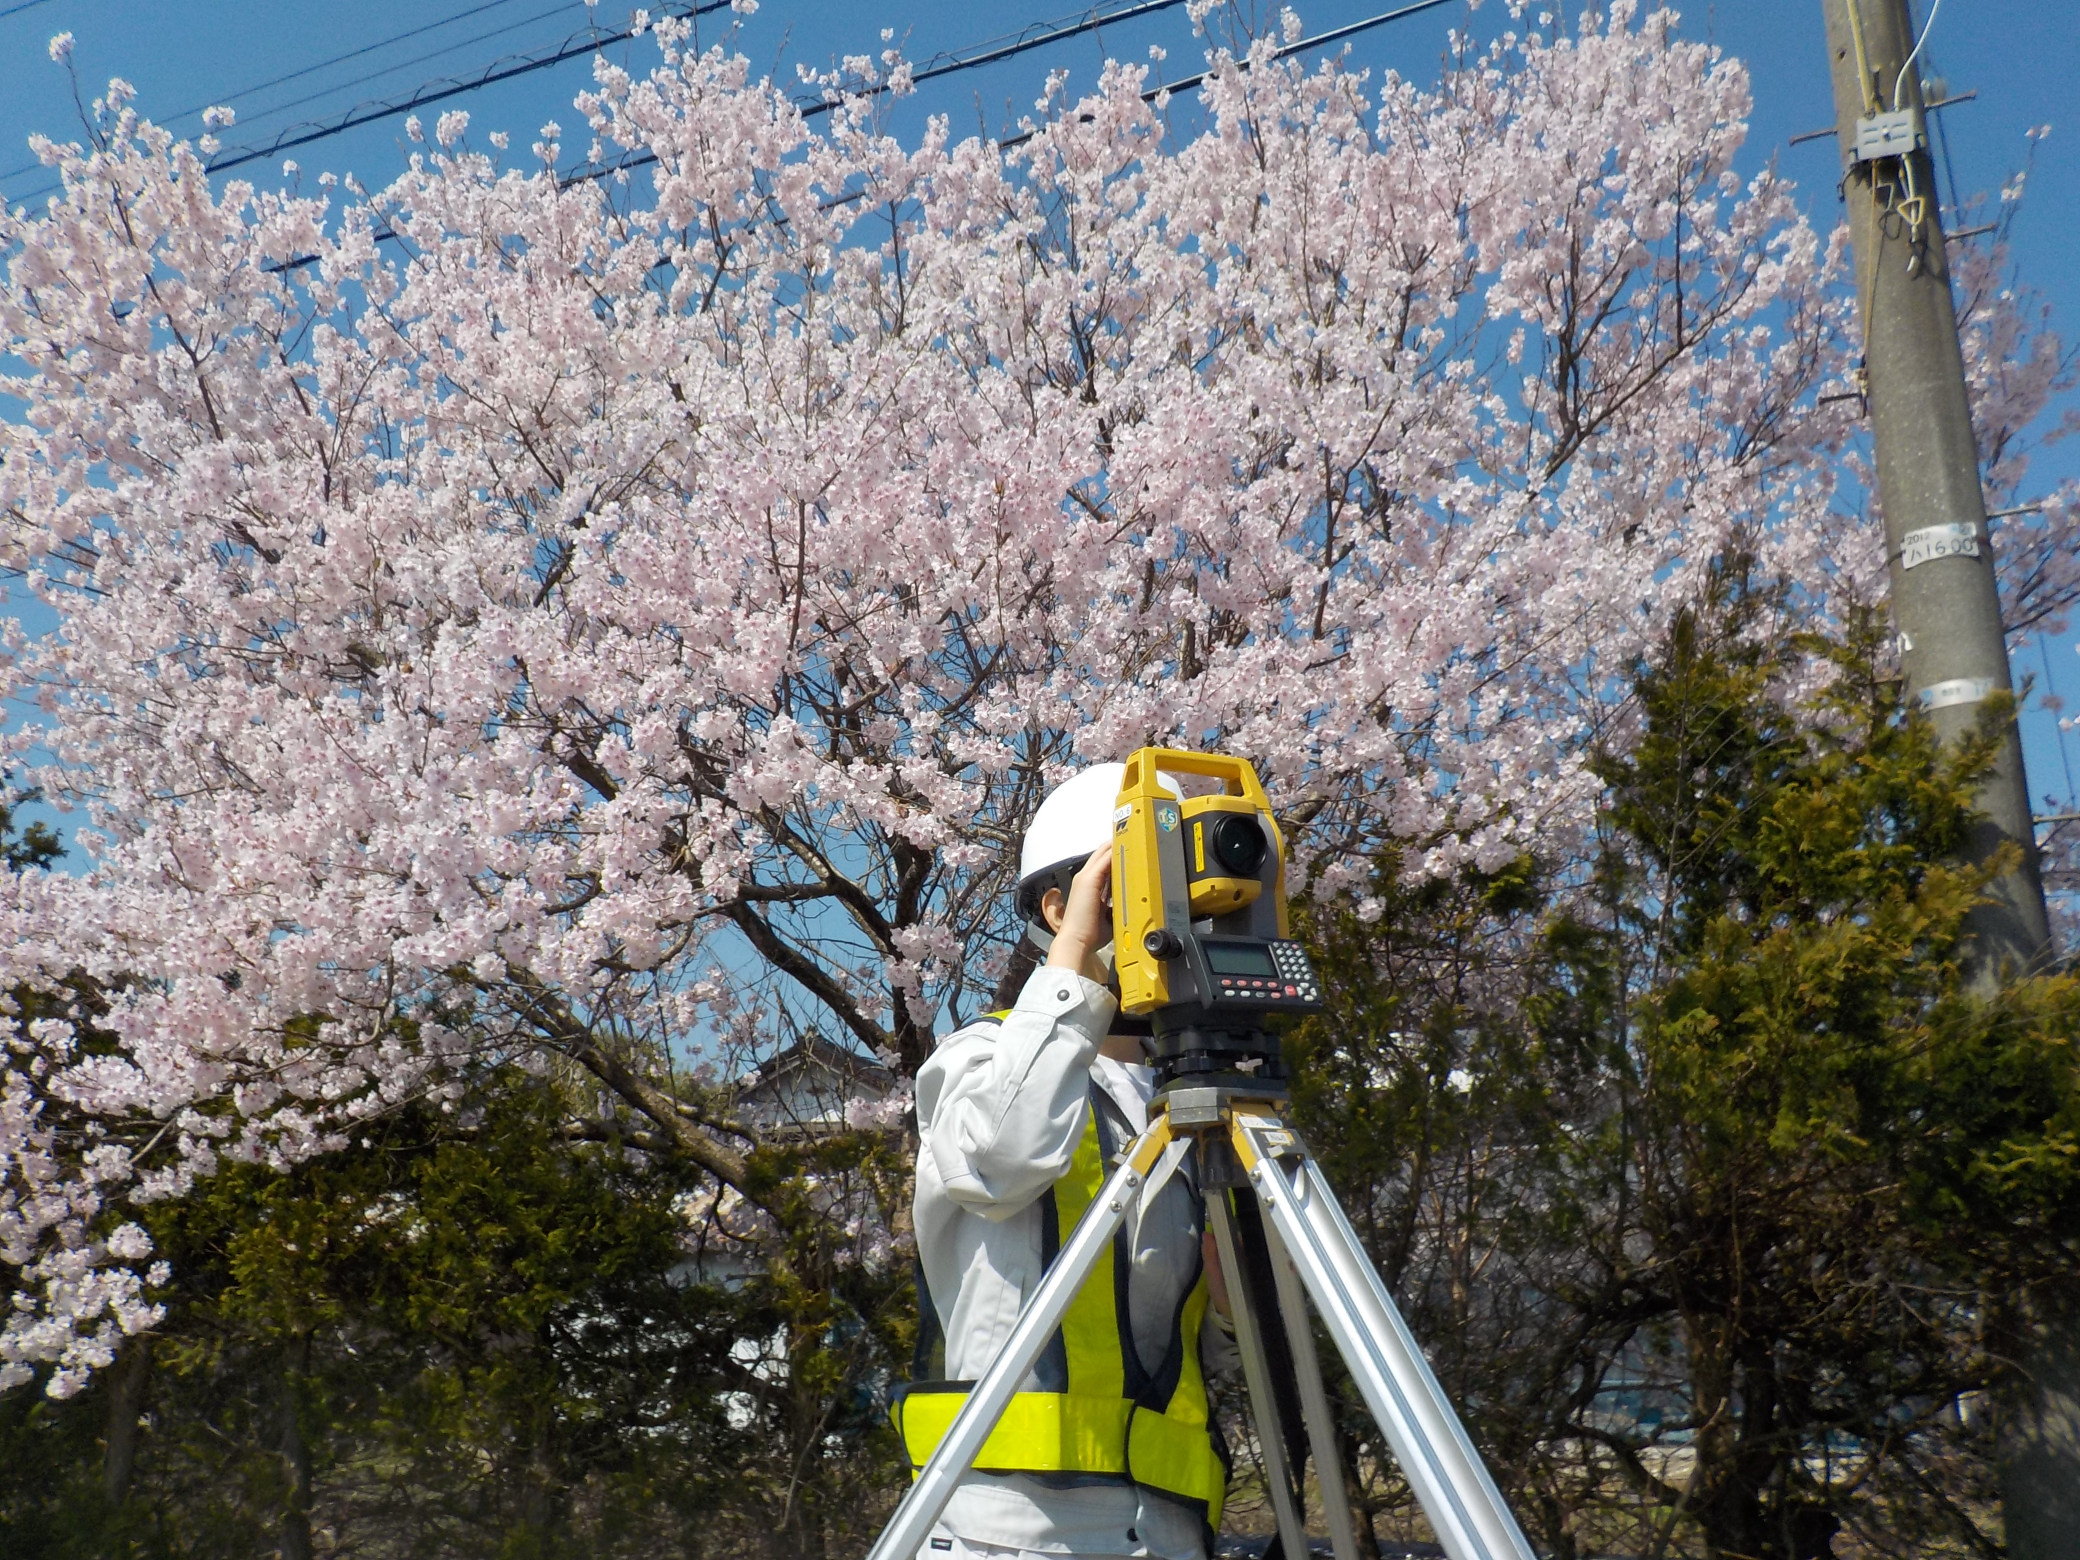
1217	858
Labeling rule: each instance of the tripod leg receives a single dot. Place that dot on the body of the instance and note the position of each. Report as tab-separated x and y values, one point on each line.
1253	1241
927	1497
1314	1404
1442	1467
1256	1375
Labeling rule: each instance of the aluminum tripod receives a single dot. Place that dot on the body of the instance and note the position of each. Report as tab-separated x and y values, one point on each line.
1308	1245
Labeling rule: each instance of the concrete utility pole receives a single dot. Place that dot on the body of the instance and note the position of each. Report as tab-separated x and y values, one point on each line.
1944	598
1947	608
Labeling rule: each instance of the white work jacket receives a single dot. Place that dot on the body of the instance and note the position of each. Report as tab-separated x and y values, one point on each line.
1001	1107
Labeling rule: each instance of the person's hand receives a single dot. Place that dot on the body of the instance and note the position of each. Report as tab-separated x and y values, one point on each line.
1086	924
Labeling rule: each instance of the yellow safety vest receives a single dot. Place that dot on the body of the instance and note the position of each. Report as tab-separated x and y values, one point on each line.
1099	1411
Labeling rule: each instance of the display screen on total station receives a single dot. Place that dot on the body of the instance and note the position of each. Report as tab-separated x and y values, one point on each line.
1229	958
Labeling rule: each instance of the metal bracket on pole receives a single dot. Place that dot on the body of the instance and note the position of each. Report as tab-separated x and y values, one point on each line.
1889	135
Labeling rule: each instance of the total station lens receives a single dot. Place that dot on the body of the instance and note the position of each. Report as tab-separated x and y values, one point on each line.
1239	844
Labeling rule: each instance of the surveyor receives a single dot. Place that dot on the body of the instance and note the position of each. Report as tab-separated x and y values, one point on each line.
1107	1450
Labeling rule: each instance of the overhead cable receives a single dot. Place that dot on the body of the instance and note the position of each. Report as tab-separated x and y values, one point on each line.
341	59
276	110
327	64
1017	43
591	172
940	65
1333	35
1899	84
1020	43
948	65
588	42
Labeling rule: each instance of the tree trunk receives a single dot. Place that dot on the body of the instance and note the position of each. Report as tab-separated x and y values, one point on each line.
1354	1488
295	1454
2040	1429
126	1389
1735	1514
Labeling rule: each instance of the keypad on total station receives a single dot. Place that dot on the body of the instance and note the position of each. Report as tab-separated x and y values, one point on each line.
1252	986
1293	966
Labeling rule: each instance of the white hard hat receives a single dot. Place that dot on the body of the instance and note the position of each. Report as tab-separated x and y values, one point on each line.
1074	820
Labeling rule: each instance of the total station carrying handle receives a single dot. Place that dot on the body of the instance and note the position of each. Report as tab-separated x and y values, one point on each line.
1239	775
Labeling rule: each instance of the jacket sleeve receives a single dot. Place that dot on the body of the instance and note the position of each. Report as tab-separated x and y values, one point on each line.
1001	1107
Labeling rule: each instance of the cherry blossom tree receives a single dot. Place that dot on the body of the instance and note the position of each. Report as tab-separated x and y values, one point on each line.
2019	376
594	622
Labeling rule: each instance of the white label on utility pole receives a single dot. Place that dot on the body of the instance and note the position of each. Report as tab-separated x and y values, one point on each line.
1960	540
1958	690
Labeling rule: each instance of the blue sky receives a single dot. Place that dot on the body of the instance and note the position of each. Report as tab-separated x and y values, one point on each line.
2021	56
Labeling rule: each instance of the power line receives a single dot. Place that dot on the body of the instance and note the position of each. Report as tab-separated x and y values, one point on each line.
1899	85
577	44
353	54
26	5
952	64
327	64
433	92
2058	730
1333	35
1019	43
591	172
275	111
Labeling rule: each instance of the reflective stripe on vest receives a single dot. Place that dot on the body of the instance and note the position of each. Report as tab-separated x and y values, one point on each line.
1090	1418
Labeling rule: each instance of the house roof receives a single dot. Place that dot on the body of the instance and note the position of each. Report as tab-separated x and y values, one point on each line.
813	1054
